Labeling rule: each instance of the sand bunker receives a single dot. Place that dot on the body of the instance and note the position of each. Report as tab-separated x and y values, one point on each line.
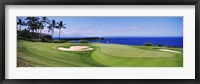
169	50
76	48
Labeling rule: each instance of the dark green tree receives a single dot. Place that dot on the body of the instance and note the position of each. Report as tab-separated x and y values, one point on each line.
20	22
33	25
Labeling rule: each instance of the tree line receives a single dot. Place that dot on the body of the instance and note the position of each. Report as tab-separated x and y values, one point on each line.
37	24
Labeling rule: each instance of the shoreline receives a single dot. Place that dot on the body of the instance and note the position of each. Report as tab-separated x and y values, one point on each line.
160	41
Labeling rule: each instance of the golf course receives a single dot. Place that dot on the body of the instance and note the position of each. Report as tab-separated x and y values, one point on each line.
42	54
65	41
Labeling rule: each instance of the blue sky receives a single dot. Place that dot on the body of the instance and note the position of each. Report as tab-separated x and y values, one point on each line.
119	26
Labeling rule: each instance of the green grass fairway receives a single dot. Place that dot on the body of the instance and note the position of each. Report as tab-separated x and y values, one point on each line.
135	56
46	54
39	54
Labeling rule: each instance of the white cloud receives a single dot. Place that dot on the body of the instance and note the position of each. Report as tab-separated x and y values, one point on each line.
89	32
123	29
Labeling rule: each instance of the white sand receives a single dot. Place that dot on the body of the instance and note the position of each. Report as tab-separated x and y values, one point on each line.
76	48
166	50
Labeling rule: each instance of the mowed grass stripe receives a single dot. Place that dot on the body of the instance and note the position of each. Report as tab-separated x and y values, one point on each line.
49	60
47	54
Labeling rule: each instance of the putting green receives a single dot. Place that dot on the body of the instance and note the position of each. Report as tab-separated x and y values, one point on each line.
128	51
124	56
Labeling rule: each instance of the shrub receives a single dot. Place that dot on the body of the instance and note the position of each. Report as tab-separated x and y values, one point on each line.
69	42
45	40
171	46
84	41
159	45
148	44
32	40
49	37
59	41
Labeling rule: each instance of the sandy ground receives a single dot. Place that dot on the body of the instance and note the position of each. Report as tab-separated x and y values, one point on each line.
169	50
76	48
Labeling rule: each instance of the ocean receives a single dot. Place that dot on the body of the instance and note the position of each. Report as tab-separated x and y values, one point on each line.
166	41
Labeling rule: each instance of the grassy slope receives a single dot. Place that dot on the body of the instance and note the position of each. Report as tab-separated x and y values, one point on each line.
106	54
47	54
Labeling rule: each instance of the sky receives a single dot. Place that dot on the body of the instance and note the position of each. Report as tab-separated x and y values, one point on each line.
98	26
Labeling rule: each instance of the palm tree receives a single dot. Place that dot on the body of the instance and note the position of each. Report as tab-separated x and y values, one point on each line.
40	26
43	22
20	23
51	27
32	24
60	25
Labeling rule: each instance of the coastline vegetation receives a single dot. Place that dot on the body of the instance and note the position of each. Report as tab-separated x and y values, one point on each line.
34	26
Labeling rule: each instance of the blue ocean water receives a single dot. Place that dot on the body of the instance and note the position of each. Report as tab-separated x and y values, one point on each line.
166	41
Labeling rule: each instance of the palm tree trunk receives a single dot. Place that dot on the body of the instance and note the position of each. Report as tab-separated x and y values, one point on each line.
59	33
27	34
40	34
20	27
33	36
52	34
